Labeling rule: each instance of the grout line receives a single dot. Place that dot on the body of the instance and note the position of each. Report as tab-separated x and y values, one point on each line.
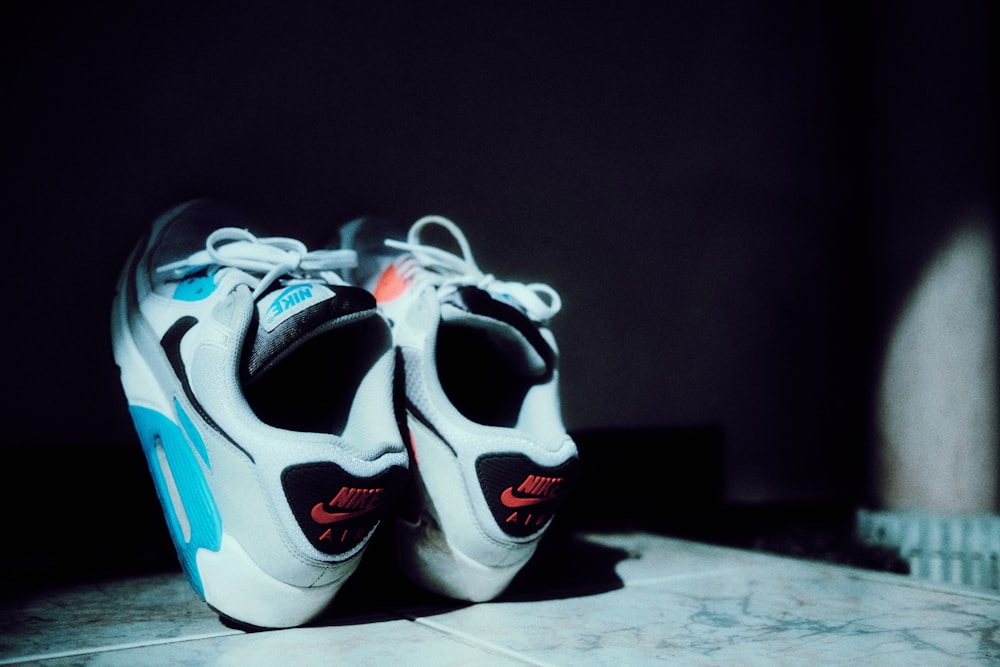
477	642
913	581
652	581
116	647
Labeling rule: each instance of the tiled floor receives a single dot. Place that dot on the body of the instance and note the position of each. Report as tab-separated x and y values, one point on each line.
589	599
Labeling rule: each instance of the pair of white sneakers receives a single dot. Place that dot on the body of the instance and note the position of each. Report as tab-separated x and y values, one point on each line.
285	397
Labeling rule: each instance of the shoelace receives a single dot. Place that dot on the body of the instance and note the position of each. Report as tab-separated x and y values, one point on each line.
447	271
270	258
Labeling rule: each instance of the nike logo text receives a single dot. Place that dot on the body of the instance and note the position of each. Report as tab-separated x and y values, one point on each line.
533	490
290	297
352	501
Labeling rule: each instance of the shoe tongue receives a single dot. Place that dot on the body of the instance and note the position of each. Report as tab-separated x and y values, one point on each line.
288	316
510	330
367	237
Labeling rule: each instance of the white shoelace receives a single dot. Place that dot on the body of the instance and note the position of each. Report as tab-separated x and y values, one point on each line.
447	271
270	258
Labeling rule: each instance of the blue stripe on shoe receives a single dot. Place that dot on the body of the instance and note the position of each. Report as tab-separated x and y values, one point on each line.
164	442
195	287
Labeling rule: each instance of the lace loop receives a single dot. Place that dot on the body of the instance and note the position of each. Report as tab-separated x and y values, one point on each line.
447	271
270	258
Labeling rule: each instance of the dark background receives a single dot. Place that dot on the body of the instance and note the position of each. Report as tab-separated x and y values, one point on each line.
733	198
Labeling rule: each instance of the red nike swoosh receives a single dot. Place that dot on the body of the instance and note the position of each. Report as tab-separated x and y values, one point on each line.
510	500
320	515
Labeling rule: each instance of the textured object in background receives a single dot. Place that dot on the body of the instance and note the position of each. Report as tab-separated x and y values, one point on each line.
962	550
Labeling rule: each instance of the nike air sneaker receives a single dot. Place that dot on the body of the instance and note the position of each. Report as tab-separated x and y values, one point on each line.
491	455
261	388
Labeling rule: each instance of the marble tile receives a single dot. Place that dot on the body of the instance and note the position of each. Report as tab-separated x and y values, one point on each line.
651	558
159	620
595	599
723	606
105	614
381	643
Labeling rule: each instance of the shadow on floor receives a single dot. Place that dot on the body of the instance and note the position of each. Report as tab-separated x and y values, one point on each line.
564	566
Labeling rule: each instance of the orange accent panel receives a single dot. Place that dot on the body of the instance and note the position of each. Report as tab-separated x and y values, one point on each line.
413	449
390	285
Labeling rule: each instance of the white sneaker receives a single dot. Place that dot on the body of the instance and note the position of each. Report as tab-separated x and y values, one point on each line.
491	455
260	386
